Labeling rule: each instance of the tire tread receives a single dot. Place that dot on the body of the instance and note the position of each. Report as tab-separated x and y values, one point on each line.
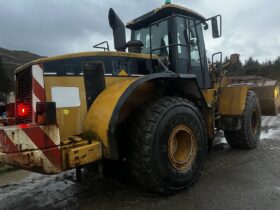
241	138
140	162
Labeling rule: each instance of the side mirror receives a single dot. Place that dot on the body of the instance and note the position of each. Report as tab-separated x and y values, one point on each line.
216	26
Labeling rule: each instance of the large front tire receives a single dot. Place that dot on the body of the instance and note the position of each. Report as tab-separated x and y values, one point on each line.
249	135
167	145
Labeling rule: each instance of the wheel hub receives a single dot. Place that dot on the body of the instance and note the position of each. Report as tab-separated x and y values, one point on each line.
182	147
255	121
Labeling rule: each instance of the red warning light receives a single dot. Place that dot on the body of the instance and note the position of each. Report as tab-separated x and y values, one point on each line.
21	110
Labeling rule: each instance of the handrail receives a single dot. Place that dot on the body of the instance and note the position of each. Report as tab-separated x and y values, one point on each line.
104	48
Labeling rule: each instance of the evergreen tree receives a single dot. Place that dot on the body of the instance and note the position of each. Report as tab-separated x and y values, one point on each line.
233	69
252	66
269	68
226	60
276	63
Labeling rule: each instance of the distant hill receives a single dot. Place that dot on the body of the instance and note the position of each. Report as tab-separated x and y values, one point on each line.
13	59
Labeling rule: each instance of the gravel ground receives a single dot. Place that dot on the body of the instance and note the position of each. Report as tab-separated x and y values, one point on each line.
231	179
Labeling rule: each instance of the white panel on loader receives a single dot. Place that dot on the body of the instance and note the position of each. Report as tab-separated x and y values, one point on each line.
66	97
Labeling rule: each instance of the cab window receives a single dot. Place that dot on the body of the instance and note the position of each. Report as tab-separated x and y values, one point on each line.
160	40
143	35
181	39
194	47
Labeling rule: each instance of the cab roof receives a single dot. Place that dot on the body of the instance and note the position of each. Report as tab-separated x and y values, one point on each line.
161	13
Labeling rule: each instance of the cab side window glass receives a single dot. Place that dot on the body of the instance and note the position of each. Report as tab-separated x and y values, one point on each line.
181	39
143	35
194	48
160	39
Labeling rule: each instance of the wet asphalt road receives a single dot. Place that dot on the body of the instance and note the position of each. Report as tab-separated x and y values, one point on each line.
231	179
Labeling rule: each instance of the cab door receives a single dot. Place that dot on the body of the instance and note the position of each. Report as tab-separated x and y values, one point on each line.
191	55
198	60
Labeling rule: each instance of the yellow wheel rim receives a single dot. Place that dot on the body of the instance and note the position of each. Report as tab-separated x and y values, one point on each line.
182	147
255	121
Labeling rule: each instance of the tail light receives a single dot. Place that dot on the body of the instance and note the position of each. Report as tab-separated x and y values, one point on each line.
22	110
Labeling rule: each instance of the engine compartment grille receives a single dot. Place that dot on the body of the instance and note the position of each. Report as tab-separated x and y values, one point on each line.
24	94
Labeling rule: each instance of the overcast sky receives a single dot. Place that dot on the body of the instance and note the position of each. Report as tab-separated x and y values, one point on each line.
53	27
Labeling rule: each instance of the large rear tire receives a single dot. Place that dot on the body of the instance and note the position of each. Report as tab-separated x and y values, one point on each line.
249	135
167	145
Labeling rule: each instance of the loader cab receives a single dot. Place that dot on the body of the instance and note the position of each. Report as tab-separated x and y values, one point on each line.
175	34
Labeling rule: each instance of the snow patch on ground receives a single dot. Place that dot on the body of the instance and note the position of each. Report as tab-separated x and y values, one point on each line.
271	121
223	140
276	190
271	129
271	134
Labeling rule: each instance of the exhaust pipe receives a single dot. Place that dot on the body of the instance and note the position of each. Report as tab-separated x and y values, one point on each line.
118	28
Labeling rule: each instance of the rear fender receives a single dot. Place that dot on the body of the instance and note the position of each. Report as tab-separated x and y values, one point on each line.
120	99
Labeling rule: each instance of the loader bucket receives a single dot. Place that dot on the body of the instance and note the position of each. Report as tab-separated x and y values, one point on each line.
268	92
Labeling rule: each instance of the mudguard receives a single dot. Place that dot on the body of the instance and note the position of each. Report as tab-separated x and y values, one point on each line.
232	100
115	103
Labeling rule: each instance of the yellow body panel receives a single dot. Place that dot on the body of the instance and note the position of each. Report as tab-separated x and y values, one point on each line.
65	147
225	81
210	96
210	123
111	80
232	100
100	113
143	93
84	154
70	120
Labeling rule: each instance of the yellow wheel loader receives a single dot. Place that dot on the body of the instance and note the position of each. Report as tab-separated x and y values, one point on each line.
153	102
